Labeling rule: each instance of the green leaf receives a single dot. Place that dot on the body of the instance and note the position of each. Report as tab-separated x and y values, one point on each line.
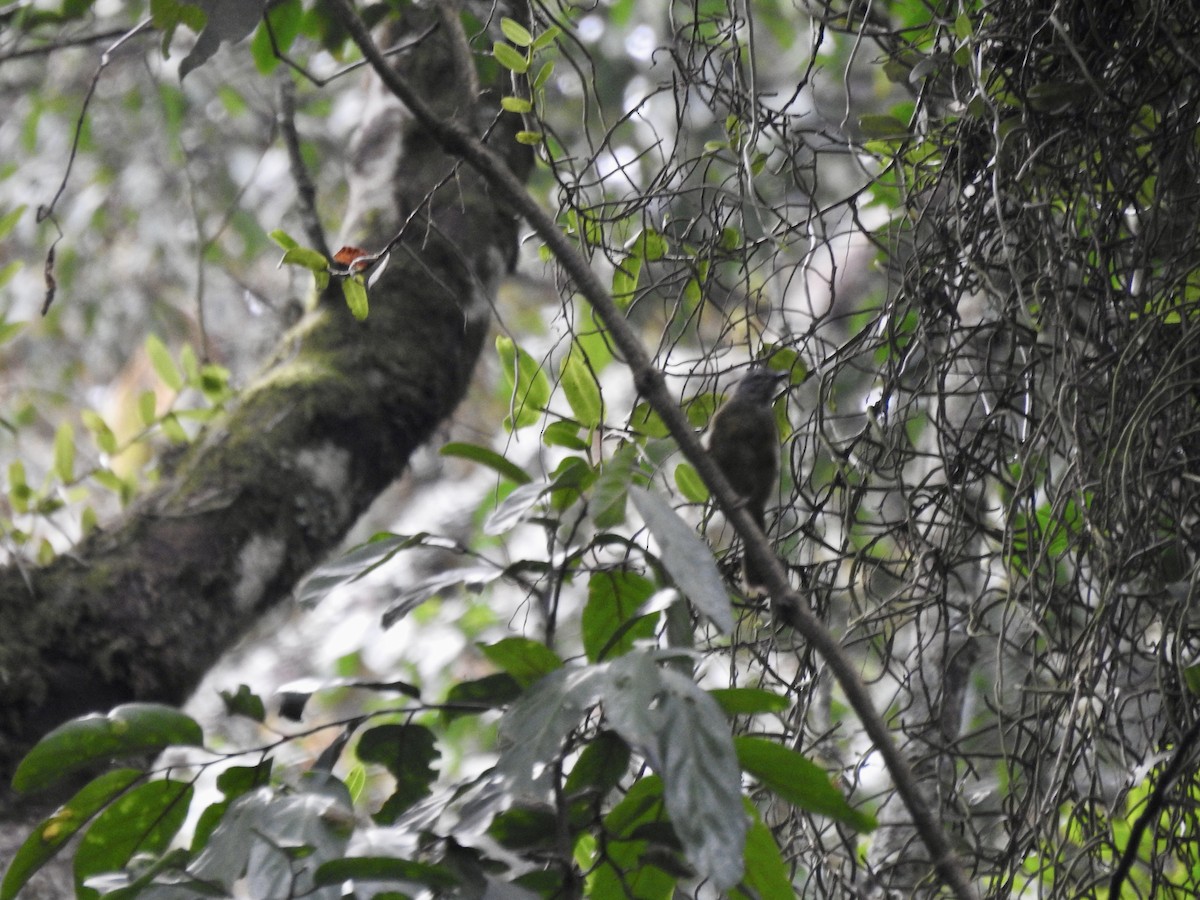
748	701
527	383
9	220
610	623
52	833
543	75
766	873
489	692
286	19
305	258
648	245
625	280
135	729
600	767
564	434
510	58
489	458
612	487
523	659
517	105
143	820
101	433
148	407
173	429
7	271
686	557
623	870
529	138
283	239
516	32
690	484
583	394
163	363
64	453
384	868
882	127
547	37
408	752
1191	677
244	703
798	780
355	292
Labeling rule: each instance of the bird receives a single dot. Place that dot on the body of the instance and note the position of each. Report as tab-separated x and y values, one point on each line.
743	441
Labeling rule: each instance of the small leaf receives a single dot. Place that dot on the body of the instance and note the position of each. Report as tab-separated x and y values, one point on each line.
510	58
517	105
64	453
748	701
547	37
583	394
355	292
529	138
625	280
523	659
516	32
148	407
134	729
612	486
244	703
514	508
358	562
529	387
686	557
163	363
486	457
882	127
305	258
283	239
564	434
9	220
690	484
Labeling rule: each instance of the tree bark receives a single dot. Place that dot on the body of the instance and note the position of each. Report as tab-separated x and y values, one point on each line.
142	608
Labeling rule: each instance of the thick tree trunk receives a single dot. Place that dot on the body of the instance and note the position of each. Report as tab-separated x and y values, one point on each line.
141	609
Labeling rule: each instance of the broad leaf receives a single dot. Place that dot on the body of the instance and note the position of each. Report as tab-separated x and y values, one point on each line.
408	752
134	729
533	730
143	820
686	557
52	833
798	780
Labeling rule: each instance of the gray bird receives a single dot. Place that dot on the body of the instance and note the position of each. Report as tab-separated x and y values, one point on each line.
744	442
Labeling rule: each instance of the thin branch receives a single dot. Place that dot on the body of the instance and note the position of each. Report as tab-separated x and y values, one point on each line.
305	190
790	606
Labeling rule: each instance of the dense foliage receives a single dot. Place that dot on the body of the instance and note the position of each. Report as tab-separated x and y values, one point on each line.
964	235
